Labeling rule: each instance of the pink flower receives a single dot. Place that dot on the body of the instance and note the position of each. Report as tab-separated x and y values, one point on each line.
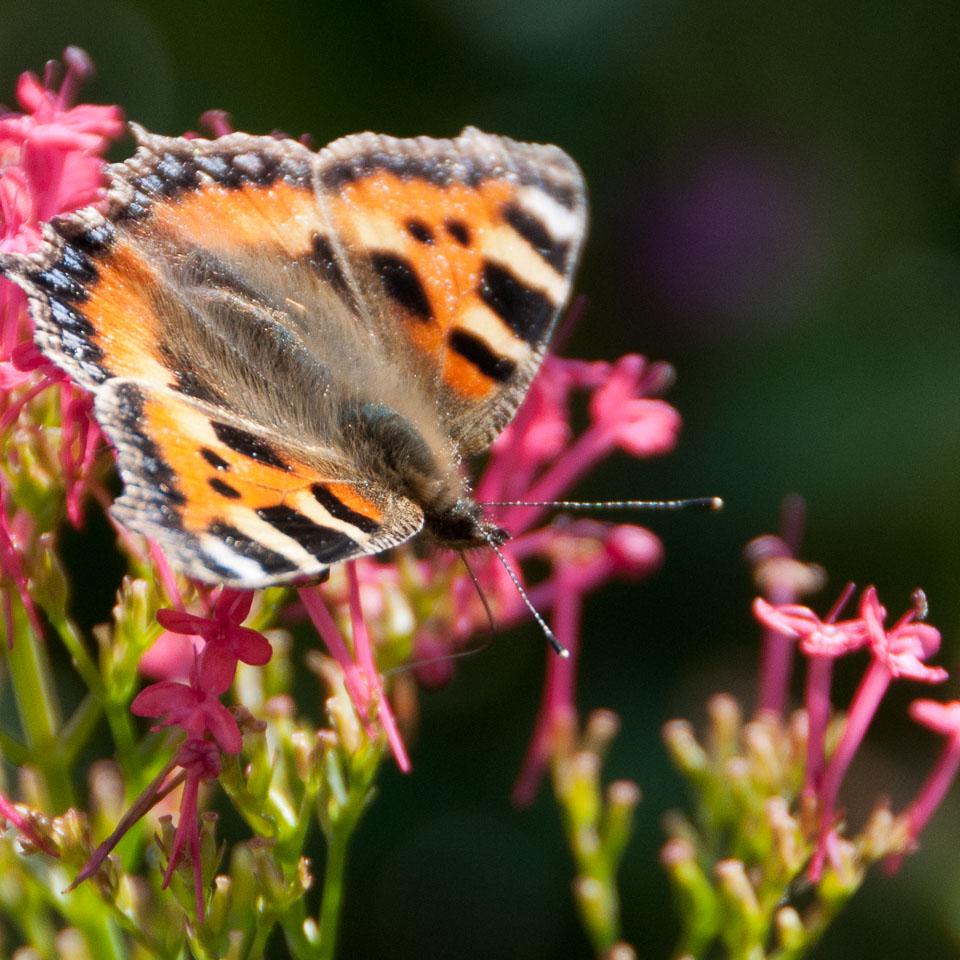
226	641
11	814
817	637
198	760
897	652
360	675
191	706
943	718
55	144
16	534
50	164
535	460
902	650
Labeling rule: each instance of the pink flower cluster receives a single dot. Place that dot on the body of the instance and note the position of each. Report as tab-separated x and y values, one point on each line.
896	652
535	460
50	163
196	709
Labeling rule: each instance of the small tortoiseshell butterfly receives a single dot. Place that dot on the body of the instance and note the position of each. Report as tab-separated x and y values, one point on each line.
292	351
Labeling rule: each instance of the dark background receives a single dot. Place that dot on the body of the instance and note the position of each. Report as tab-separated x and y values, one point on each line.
775	211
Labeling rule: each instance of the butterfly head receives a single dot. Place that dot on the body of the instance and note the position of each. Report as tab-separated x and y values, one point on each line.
462	526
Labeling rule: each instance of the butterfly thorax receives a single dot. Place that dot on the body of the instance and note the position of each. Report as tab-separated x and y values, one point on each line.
419	468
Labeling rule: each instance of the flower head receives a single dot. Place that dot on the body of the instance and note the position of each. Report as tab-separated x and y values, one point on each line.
192	706
57	145
226	641
942	718
197	760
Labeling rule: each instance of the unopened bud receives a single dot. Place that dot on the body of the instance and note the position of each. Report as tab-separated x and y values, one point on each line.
601	728
790	932
684	749
724	727
218	909
598	906
72	945
617	827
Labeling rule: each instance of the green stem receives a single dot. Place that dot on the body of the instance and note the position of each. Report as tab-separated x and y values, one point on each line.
332	898
70	638
298	943
14	751
121	728
39	709
79	728
262	929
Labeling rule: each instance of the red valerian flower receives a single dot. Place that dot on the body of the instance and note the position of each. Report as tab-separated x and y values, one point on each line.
50	163
11	814
198	760
360	675
943	718
226	641
195	707
897	652
57	145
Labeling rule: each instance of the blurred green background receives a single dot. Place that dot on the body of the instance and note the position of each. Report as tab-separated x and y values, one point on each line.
775	212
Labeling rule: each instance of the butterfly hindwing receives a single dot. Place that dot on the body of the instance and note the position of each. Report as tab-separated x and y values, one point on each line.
231	503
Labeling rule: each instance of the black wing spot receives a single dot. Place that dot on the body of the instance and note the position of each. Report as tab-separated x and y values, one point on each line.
324	543
478	352
528	313
402	284
532	229
223	488
246	443
214	459
459	231
340	511
419	231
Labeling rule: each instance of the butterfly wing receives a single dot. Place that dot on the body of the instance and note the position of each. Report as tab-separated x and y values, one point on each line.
181	307
269	331
231	502
463	252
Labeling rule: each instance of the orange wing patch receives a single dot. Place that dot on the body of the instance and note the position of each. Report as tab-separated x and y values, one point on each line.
121	308
223	218
428	244
242	509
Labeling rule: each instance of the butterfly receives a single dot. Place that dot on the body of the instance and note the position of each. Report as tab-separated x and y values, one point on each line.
293	351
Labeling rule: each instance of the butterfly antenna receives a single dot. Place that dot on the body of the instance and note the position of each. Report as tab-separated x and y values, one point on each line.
693	503
480	593
558	647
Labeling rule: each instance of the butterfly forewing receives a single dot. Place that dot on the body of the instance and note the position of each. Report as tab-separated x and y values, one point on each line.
464	251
